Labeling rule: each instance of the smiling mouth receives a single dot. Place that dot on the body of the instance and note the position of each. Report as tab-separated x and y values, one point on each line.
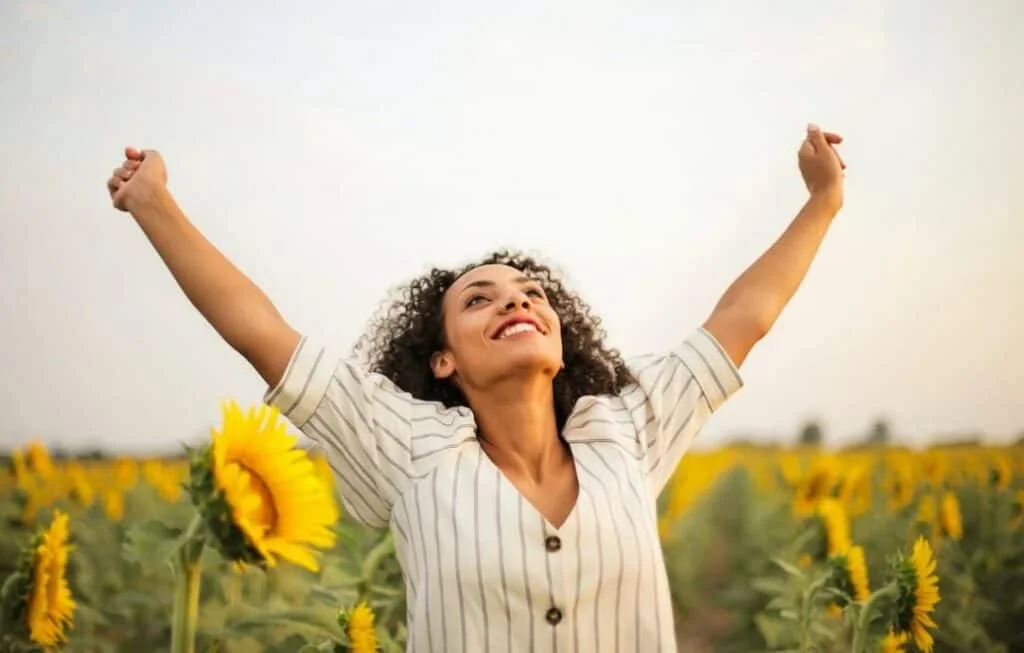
517	328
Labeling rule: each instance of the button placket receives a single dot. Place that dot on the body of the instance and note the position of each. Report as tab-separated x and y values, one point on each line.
552	545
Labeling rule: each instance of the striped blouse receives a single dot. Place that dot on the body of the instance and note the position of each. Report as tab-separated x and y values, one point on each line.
483	569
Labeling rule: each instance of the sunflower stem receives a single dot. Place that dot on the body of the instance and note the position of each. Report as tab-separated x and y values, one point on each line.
860	633
186	596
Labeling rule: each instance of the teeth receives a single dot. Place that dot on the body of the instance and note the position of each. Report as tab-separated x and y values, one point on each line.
518	327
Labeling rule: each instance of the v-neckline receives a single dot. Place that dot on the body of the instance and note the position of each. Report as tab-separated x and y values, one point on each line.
502	478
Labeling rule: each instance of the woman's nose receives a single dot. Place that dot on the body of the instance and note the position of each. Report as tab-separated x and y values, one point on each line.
517	298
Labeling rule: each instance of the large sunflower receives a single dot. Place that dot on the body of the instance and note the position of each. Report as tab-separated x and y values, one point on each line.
918	592
259	494
37	602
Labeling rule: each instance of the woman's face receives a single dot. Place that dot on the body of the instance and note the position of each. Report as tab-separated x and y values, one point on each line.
498	324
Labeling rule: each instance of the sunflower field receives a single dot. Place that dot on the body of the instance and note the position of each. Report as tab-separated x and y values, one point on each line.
241	545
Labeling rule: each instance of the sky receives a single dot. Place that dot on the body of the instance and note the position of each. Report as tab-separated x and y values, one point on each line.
334	150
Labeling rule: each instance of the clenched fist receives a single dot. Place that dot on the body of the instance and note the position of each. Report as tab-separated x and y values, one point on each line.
140	178
820	164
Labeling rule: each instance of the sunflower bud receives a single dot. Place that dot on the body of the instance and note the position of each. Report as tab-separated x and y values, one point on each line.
357	624
918	592
36	603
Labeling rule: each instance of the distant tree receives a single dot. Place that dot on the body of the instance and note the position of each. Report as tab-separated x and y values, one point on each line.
880	435
811	434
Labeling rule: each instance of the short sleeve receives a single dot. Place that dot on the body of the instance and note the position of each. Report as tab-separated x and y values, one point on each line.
678	391
361	421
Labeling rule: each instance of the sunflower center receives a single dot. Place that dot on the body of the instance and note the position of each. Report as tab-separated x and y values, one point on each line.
264	517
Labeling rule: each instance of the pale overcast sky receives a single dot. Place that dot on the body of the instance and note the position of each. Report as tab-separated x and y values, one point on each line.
334	149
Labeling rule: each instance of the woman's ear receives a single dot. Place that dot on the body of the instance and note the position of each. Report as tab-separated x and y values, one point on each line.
442	364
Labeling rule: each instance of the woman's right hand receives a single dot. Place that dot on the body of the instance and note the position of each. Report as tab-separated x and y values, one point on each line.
141	177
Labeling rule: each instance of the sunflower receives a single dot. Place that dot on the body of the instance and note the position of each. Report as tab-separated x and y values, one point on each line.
80	488
855	490
19	467
39	459
835	527
935	467
891	643
1000	473
950	519
113	504
259	494
918	592
850	575
815	486
358	625
900	485
37	602
1017	516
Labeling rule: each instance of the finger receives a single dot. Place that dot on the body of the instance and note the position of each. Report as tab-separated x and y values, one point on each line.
833	138
816	138
123	174
132	153
806	148
114	184
842	164
130	164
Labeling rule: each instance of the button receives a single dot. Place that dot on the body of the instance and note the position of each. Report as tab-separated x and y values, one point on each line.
554	616
552	543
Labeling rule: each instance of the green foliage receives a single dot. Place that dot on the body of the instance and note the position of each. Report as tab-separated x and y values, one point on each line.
795	618
734	558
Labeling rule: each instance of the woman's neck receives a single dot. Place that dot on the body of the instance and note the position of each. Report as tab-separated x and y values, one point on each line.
518	429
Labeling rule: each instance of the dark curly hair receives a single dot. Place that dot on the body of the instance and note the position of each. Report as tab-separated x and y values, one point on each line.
409	328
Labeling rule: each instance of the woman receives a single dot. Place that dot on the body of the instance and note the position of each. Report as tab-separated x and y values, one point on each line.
516	459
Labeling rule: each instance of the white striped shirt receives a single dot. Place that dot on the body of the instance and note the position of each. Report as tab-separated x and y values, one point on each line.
484	570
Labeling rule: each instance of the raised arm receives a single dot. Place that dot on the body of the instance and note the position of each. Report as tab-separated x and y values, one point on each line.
235	307
750	306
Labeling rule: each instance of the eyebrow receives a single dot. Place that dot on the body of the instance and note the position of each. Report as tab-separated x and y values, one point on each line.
487	283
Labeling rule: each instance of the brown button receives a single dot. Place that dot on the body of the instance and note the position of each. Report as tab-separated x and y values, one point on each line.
554	616
552	543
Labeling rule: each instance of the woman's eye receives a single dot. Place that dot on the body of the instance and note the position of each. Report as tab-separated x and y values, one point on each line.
474	299
536	292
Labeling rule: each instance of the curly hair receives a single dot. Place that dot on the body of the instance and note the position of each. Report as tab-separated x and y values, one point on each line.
409	328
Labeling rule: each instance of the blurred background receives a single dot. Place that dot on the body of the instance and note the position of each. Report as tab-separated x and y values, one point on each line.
333	150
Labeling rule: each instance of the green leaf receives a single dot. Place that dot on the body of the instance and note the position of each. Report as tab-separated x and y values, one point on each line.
293	642
823	631
769	585
771	629
324	595
779	603
260	621
788	567
151	544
